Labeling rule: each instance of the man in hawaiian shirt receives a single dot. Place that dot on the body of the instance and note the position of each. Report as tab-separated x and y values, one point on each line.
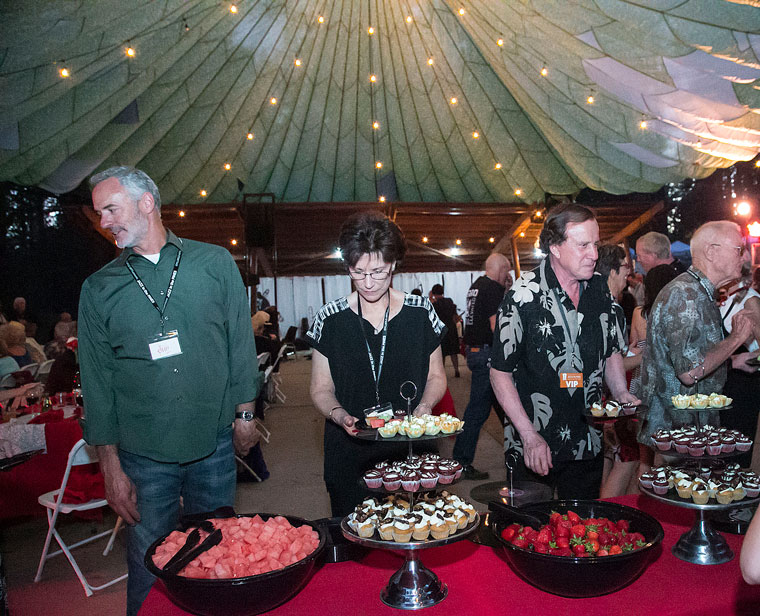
556	339
686	352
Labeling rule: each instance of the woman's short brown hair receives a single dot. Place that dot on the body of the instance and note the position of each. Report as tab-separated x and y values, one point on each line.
369	233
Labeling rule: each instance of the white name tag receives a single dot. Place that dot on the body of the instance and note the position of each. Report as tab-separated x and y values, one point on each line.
165	346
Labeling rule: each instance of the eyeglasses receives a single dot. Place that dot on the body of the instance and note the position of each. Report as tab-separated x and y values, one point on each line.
738	249
382	275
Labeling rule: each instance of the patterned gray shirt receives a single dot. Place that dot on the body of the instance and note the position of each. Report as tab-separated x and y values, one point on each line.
684	324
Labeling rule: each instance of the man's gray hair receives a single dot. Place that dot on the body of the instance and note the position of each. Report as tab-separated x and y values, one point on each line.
711	233
656	244
135	181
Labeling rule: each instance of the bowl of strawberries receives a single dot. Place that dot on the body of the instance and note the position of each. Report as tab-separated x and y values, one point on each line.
576	548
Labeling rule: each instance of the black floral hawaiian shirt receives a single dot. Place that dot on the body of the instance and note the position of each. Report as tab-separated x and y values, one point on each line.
539	336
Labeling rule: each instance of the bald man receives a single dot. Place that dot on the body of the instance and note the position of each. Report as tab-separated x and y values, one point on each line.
483	301
686	350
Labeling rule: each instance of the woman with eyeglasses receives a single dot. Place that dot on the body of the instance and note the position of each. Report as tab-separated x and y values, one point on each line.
366	345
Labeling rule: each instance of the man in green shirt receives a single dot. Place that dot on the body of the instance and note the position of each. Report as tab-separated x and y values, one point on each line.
168	365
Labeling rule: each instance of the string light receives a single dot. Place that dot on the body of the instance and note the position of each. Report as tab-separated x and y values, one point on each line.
181	213
492	239
425	239
430	61
518	191
373	78
375	124
233	241
544	71
458	242
273	100
408	19
249	136
203	192
500	42
227	166
461	12
497	166
298	62
233	8
643	125
522	233
757	163
130	51
321	19
590	100
184	24
370	30
475	134
64	72
378	165
453	100
382	199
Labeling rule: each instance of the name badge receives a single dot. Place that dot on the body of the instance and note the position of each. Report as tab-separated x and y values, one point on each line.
164	346
570	380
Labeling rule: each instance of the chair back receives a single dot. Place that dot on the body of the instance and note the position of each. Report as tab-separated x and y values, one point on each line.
31	369
82	453
263	358
44	369
290	335
8	382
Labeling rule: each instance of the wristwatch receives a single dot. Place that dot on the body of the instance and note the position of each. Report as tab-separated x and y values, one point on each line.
245	415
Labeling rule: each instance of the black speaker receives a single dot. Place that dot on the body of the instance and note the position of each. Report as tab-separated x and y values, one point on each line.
259	225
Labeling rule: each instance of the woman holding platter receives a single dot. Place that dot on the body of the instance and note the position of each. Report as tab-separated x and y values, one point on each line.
366	345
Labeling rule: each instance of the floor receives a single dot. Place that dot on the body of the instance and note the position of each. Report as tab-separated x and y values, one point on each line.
294	458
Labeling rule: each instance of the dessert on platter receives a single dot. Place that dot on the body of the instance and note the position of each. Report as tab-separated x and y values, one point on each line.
611	408
701	401
415	427
419	472
395	519
724	484
698	442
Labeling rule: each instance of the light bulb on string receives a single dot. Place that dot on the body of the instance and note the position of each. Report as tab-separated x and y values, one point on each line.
408	19
370	30
203	192
544	71
233	8
518	191
373	78
297	62
227	166
378	165
375	125
64	72
249	136
273	101
453	100
130	51
181	213
497	166
500	42
321	19
382	199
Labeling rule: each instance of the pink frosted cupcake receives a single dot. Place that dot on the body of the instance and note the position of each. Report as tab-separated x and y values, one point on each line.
457	469
714	447
697	447
373	478
681	444
410	481
743	443
728	442
428	479
646	480
392	481
446	474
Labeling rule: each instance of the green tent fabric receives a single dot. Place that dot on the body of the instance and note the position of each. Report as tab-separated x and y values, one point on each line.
675	85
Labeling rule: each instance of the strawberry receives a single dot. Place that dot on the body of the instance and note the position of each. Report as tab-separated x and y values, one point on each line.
562	542
541	548
602	552
579	530
579	550
554	518
605	538
615	549
622	525
573	517
561	531
592	546
544	536
508	533
519	541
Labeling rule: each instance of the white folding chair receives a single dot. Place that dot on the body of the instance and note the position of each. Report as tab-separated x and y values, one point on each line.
31	369
8	382
80	454
44	370
263	358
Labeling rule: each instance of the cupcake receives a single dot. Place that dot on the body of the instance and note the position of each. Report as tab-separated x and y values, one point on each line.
448	427
680	401
714	447
743	443
457	469
697	447
470	511
421	529
392	481
681	444
415	430
410	481
438	528
683	487
752	488
612	408
724	494
739	491
646	480
389	430
699	401
699	495
373	478
366	528
716	401
432	428
428	479
660	486
452	522
597	410
446	474
662	440
402	531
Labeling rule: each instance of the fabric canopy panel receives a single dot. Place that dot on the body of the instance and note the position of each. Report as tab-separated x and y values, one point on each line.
474	101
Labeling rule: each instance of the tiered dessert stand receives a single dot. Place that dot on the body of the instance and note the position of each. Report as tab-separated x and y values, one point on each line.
413	586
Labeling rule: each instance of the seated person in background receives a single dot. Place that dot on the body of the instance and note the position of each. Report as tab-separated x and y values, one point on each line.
34	347
264	343
272	327
65	328
301	343
8	365
64	368
15	338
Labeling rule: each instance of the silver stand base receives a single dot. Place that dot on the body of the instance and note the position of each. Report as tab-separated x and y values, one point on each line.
702	545
413	587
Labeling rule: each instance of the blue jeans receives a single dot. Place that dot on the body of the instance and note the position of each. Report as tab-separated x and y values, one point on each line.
204	485
479	406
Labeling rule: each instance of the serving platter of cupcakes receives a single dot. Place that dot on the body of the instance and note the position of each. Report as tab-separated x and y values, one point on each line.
418	473
612	409
701	402
705	442
699	486
386	426
393	521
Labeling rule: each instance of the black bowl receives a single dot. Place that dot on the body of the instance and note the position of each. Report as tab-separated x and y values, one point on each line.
244	596
582	577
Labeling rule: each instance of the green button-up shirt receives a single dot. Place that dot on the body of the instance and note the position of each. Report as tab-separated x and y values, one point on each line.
169	409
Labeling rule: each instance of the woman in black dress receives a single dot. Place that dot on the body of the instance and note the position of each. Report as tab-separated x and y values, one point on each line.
365	346
446	310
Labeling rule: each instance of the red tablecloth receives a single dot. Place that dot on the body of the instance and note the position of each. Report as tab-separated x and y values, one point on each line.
481	583
20	487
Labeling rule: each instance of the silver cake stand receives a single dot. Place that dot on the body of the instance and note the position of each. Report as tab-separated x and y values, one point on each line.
701	544
413	586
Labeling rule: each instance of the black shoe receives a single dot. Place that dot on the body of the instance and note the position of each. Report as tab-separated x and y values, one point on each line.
470	472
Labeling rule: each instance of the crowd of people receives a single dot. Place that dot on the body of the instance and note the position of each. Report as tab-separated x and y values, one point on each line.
171	388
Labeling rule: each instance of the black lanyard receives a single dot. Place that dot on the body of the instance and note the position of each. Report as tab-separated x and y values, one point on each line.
144	289
376	376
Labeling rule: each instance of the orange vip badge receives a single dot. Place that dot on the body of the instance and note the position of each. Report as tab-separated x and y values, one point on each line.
570	380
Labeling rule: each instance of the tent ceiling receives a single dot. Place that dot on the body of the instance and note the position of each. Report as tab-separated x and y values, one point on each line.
203	77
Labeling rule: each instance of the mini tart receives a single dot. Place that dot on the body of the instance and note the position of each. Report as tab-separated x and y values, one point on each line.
365	529
716	401
415	430
438	528
431	429
448	427
388	430
612	408
597	410
681	401
724	495
683	488
699	401
402	532
421	530
700	496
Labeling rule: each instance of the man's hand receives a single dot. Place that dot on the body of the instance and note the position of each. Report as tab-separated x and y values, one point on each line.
739	361
538	456
121	495
626	397
244	436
